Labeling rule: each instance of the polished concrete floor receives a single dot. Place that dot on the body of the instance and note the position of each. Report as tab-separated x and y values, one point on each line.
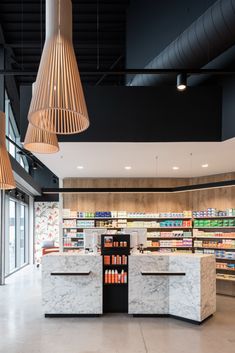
23	328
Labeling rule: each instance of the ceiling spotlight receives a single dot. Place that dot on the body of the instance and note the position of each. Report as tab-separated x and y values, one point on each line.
175	168
80	167
34	166
181	82
205	165
128	167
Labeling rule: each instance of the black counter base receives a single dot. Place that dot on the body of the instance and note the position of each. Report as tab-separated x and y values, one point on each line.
73	315
173	317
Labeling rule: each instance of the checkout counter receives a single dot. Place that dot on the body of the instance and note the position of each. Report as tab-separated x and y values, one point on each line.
173	284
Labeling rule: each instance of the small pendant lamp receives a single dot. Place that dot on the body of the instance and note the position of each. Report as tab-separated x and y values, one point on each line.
58	105
7	180
40	141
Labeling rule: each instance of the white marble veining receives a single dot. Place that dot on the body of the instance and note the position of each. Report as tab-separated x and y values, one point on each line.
184	291
208	287
191	296
148	294
72	294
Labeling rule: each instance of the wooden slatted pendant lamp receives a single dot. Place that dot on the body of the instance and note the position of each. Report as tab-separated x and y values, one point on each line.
58	105
7	180
38	140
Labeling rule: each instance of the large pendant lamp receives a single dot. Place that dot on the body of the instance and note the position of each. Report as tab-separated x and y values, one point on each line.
58	105
38	140
7	180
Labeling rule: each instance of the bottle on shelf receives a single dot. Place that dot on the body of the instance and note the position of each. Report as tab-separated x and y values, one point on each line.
122	276
113	277
116	276
106	276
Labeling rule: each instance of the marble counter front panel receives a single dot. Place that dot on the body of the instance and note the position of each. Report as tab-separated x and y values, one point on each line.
148	294
72	294
191	296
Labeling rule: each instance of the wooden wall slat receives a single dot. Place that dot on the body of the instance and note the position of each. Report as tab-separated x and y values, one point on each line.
220	198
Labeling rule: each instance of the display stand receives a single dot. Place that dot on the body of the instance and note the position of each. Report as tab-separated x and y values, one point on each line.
115	250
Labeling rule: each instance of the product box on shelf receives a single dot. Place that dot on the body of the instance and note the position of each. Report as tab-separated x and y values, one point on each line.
69	223
85	224
213	212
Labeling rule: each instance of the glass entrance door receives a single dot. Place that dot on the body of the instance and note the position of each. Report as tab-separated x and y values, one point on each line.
12	236
16	240
22	239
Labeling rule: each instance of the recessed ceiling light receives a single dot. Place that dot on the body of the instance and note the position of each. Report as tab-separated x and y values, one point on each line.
205	165
80	167
128	167
175	168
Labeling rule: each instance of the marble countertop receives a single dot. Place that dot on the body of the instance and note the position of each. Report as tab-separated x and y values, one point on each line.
82	253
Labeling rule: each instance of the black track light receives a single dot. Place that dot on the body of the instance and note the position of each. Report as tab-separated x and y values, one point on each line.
54	179
34	166
181	82
21	153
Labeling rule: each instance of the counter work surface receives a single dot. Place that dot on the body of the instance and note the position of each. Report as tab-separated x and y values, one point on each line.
177	284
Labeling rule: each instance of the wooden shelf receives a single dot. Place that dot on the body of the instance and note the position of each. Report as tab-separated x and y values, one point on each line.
225	269
212	248
110	228
225	279
217	227
169	238
214	217
217	238
128	218
73	247
169	247
156	228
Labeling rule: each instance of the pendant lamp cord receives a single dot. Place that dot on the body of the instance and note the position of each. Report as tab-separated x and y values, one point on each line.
97	36
41	24
157	170
191	165
22	35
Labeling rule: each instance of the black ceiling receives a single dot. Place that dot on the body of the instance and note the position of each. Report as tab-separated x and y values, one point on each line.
99	35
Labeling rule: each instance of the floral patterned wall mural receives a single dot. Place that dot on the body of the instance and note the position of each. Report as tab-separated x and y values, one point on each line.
46	225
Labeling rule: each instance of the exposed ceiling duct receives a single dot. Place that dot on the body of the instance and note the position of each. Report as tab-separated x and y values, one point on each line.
206	38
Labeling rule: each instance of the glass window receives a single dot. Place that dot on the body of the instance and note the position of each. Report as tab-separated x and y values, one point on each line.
12	235
13	133
21	162
12	136
22	235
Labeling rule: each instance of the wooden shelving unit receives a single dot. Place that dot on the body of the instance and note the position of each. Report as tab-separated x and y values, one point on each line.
223	252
